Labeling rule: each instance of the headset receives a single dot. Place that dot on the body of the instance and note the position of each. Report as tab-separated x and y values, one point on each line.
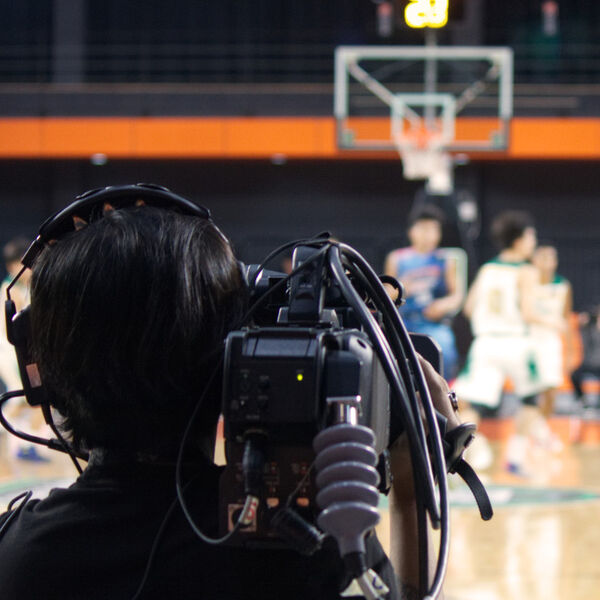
86	208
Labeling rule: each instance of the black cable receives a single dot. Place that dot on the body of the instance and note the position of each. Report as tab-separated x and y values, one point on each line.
14	280
20	434
283	248
178	466
66	446
395	342
398	350
439	461
283	282
414	445
294	493
392	322
155	543
395	371
194	415
26	497
418	448
179	499
384	352
60	444
438	453
419	482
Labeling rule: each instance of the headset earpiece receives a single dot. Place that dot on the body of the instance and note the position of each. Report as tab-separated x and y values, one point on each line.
10	310
18	330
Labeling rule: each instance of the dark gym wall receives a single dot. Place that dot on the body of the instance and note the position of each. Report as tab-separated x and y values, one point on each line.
261	205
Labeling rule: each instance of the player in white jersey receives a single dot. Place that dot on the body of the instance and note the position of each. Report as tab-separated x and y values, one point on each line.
553	300
501	307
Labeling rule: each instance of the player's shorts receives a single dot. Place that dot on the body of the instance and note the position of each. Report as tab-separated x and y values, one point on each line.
493	359
549	358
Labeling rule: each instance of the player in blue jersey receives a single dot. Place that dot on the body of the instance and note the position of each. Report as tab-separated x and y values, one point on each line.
430	283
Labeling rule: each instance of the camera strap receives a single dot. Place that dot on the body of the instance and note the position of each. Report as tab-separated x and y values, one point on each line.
455	442
464	469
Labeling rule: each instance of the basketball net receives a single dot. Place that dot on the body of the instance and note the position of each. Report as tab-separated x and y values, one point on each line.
423	157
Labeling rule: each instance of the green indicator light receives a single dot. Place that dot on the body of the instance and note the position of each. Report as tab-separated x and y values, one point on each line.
299	376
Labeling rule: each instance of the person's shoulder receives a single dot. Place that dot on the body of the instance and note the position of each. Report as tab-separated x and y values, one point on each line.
400	253
560	280
16	525
441	254
498	261
490	265
528	270
398	258
528	275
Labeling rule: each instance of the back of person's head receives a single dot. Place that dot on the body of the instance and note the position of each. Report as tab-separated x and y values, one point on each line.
509	226
426	212
128	316
14	249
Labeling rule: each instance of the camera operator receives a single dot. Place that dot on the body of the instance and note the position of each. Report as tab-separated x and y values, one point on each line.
128	315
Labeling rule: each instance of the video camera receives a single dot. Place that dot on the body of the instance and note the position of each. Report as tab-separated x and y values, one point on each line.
314	393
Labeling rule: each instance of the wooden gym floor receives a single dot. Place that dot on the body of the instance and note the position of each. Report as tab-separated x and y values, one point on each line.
543	542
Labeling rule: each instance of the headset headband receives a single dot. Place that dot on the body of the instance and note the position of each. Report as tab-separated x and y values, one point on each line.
86	208
89	206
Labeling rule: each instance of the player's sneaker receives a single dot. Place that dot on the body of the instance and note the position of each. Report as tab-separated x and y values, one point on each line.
31	454
517	470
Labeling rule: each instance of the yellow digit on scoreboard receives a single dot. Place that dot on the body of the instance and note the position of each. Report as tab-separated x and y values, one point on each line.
426	13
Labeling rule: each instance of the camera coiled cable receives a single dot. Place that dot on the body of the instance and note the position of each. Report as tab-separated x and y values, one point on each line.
388	308
348	497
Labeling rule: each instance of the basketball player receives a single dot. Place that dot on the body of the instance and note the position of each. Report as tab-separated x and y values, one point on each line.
501	308
429	279
553	299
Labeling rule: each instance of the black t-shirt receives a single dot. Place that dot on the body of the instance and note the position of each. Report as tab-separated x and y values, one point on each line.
92	540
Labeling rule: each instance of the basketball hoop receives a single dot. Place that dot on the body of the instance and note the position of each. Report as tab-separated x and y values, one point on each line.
421	141
423	157
432	164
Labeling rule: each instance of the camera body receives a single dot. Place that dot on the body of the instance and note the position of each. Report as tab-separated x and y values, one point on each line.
285	383
307	364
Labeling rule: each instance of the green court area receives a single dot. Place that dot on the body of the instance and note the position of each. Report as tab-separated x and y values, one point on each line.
510	495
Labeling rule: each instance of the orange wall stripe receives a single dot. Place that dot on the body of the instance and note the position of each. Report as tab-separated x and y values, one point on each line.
555	138
262	137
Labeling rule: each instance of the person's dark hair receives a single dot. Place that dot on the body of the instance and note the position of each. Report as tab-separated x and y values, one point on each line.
128	317
14	249
509	226
426	212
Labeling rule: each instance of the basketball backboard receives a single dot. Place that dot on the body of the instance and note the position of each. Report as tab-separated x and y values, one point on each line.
426	102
